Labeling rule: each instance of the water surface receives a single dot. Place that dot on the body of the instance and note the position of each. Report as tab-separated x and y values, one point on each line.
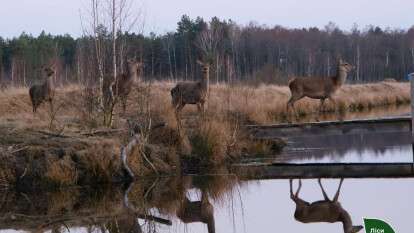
235	206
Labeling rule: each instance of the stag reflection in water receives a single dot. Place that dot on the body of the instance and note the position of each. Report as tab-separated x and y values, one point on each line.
326	210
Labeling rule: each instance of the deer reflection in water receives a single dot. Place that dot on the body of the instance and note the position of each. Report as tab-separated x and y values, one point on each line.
197	211
327	210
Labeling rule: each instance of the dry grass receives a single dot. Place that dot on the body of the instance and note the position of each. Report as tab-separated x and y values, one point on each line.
214	138
262	104
62	172
101	161
211	140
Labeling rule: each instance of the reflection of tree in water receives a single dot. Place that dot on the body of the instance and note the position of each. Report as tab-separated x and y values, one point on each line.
113	210
335	146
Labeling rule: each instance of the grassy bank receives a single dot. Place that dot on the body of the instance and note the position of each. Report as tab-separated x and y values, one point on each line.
66	145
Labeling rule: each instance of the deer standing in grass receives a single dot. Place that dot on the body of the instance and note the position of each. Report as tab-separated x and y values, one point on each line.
326	210
318	87
124	83
44	91
191	92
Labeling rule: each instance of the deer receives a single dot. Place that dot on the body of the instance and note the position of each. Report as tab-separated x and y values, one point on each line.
124	83
44	91
197	211
329	211
321	88
192	92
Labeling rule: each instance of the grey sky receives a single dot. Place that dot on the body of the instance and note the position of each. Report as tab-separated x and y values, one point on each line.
62	16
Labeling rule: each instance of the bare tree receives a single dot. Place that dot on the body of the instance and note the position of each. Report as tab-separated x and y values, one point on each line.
120	16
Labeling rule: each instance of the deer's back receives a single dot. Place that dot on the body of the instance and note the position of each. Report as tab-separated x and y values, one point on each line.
122	85
190	92
313	87
321	211
39	92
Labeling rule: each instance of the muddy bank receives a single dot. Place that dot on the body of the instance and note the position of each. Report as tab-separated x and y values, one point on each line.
42	159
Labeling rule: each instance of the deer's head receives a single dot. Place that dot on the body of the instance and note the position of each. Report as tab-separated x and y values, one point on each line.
48	70
345	66
134	65
205	66
354	229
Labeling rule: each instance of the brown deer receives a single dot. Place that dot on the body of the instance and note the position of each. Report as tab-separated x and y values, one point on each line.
197	211
192	92
124	83
44	91
326	210
318	87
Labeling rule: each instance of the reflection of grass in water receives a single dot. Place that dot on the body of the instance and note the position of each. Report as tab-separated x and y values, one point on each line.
147	197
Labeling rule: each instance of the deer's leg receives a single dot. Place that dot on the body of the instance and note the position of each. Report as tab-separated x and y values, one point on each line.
199	108
294	196
178	109
124	103
299	187
339	190
323	190
291	103
333	101
322	105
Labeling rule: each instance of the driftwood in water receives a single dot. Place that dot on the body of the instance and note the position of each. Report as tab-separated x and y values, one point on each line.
136	130
126	150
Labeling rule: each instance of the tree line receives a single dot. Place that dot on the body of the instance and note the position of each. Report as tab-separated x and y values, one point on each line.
250	53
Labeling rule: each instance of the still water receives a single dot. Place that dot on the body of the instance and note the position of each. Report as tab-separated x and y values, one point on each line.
208	204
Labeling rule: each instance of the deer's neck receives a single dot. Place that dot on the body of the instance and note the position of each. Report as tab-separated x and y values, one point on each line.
340	77
346	220
49	82
205	82
132	75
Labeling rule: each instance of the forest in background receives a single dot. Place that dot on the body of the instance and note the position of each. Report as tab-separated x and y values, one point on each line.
252	53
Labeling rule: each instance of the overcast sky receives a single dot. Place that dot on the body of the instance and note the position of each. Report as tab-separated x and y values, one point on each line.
62	16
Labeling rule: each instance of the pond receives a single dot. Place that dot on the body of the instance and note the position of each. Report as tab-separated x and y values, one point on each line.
208	204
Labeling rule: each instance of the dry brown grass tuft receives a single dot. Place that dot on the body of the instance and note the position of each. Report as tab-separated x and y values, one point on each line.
101	161
211	140
61	172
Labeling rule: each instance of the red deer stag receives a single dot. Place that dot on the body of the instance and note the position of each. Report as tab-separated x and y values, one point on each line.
124	83
318	87
44	91
326	210
191	92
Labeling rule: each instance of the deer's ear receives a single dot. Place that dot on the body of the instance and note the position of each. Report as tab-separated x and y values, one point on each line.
200	62
52	64
341	61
